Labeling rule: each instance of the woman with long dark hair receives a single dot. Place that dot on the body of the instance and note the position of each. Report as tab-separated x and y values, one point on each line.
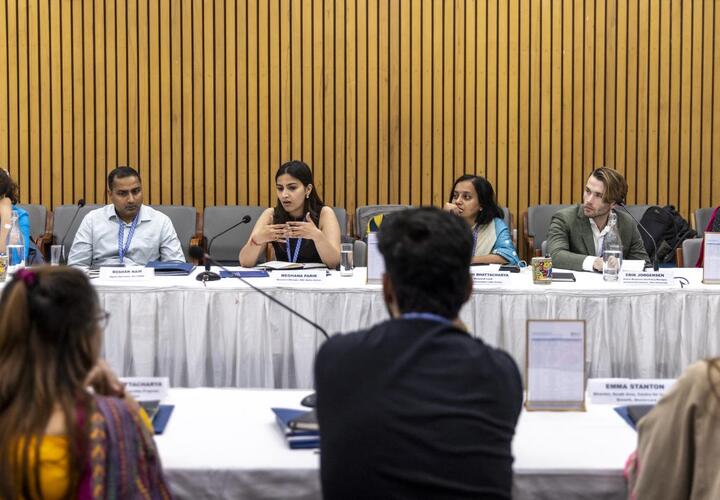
473	198
9	197
300	228
57	438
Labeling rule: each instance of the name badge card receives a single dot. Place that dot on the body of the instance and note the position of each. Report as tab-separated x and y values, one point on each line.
627	391
147	388
304	276
711	259
555	365
375	260
126	273
660	278
492	278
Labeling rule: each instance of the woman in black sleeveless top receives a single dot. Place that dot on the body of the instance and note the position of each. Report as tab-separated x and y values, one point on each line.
300	228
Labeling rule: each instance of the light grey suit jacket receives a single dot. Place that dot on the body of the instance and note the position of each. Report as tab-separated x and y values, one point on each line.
570	238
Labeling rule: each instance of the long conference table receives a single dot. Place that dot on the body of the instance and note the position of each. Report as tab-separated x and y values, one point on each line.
224	334
224	443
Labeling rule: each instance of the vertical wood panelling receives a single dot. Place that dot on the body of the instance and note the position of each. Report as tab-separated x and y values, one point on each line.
387	101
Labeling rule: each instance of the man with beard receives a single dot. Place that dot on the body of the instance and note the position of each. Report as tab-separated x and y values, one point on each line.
576	234
126	232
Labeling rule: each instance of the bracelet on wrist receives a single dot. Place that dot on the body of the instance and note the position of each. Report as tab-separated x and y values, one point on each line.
252	240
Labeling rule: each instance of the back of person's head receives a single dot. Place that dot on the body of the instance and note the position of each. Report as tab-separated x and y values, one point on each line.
427	257
121	173
486	198
49	342
8	187
615	184
313	204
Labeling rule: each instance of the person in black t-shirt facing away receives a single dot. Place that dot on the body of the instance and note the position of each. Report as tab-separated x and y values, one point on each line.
415	407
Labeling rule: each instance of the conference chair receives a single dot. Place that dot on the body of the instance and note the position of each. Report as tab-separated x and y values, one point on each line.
187	223
342	218
365	213
61	228
702	218
687	254
225	248
359	253
636	210
536	222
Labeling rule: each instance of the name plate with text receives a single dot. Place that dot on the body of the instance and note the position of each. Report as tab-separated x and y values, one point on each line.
126	273
627	391
490	278
304	276
147	388
662	278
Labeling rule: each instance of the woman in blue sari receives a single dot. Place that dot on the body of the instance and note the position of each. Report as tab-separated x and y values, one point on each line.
8	206
473	198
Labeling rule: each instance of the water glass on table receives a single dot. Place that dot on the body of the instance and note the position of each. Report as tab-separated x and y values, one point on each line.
346	259
56	254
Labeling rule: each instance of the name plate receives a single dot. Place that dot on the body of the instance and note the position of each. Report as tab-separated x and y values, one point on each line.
147	388
126	273
490	278
627	391
304	276
662	278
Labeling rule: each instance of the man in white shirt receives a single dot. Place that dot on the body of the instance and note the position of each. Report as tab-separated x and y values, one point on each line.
575	236
125	232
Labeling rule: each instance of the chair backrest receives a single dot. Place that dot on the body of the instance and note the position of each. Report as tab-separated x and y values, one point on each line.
538	222
507	218
365	213
702	218
359	253
184	219
38	218
226	248
636	210
62	215
341	215
690	252
543	248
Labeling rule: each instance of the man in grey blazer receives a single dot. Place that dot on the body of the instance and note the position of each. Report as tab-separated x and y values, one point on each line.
576	233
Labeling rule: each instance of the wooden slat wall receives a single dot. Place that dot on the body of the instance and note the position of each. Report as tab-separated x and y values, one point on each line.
388	101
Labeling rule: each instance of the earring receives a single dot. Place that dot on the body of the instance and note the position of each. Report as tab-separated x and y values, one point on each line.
307	196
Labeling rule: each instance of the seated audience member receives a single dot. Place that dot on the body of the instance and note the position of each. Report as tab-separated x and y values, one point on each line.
575	236
9	198
415	407
126	232
57	438
713	227
472	198
300	228
678	454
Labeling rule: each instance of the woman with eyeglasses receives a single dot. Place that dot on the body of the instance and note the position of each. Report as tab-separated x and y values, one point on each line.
66	428
9	198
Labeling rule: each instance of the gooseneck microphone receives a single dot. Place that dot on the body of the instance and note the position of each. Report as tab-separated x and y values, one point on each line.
656	265
207	274
197	253
80	204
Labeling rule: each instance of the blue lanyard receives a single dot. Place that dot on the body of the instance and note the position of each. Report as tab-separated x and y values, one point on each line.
294	258
475	237
426	316
122	250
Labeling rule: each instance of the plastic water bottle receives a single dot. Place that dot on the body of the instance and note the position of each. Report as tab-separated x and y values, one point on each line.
612	250
15	245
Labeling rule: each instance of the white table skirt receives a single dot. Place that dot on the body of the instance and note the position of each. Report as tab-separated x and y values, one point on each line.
223	443
227	335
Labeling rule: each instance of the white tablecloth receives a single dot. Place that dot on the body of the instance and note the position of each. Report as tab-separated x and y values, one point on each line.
224	443
227	335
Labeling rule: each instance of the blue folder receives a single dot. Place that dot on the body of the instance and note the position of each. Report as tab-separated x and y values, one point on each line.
245	274
296	439
161	418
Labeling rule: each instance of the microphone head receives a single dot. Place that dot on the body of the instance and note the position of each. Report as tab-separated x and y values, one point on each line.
196	252
246	219
81	202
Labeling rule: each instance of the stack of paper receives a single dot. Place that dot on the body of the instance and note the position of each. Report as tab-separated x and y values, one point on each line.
297	427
